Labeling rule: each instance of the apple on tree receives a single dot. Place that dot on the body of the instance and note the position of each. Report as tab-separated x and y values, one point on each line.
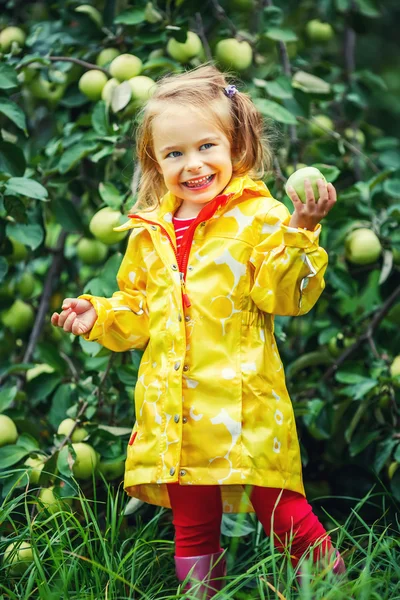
318	31
125	66
111	469
26	285
102	224
86	461
362	247
43	89
19	252
142	89
18	556
232	54
319	124
91	12
19	317
355	135
296	180
90	251
36	467
395	366
10	35
185	51
51	502
106	56
65	428
91	84
8	431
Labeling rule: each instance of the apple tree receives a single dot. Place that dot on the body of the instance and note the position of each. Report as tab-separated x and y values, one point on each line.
73	78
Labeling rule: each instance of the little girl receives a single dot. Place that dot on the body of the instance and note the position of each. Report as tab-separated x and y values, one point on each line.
211	258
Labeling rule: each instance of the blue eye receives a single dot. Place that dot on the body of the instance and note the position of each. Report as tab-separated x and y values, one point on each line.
207	144
174	152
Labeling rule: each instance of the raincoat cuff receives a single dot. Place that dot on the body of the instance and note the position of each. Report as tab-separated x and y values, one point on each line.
105	317
298	237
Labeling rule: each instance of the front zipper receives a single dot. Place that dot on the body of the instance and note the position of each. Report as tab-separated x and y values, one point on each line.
182	275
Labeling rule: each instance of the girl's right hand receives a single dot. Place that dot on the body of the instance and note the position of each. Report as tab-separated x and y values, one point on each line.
78	316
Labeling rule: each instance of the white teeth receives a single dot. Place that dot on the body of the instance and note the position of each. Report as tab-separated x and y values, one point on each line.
198	182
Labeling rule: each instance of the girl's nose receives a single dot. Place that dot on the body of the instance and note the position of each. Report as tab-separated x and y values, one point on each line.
193	164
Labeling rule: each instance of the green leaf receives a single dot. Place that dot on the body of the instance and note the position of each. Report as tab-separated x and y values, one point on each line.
368	8
347	377
41	387
361	440
391	187
12	159
330	172
121	97
11	454
281	35
8	77
26	187
275	111
133	16
13	112
3	268
106	285
67	214
100	120
383	452
395	485
390	159
111	195
280	88
7	395
75	154
31	234
310	84
27	442
237	525
359	390
65	462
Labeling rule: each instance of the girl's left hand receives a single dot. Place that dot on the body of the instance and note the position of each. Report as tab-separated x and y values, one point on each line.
307	215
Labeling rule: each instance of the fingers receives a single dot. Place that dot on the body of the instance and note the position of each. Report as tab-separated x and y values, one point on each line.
297	203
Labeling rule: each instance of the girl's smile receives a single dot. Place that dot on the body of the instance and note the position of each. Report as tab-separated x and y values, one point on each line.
193	155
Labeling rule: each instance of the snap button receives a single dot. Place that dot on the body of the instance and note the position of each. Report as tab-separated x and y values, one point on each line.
177	365
186	368
179	317
203	223
174	267
190	268
172	471
182	472
153	227
187	318
176	418
184	420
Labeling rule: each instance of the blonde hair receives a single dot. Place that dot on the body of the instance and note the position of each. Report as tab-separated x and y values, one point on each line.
202	89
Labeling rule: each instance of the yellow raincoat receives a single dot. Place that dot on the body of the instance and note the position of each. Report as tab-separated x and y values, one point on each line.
211	401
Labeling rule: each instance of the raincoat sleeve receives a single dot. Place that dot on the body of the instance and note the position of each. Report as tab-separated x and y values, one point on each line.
289	266
122	320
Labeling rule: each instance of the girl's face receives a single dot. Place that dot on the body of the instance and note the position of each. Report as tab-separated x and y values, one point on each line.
193	155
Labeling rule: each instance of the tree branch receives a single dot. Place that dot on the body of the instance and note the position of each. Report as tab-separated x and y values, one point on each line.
77	61
203	37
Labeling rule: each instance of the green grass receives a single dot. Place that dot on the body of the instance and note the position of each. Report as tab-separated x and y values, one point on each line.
94	552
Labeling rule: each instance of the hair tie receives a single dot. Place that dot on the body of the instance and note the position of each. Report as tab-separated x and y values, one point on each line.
230	91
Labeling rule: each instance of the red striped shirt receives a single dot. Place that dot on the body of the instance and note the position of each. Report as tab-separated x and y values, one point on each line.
181	226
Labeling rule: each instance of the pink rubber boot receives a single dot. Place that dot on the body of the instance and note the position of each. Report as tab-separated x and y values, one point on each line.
208	568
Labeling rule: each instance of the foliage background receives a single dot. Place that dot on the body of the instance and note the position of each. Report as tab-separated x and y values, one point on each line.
63	159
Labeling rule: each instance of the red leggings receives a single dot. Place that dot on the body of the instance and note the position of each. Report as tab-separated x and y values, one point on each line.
197	514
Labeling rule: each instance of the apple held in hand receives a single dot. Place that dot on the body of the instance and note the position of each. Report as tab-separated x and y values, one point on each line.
296	180
183	52
232	54
8	431
91	84
102	223
362	247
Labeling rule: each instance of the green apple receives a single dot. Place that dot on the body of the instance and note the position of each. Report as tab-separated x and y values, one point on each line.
51	502
142	89
47	90
108	90
102	223
318	123
91	84
151	14
8	431
10	35
38	370
183	52
106	56
395	367
362	247
90	251
355	135
290	169
19	317
111	469
65	428
26	285
317	31
296	180
19	252
125	66
86	461
36	466
338	343
91	12
232	54
18	556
